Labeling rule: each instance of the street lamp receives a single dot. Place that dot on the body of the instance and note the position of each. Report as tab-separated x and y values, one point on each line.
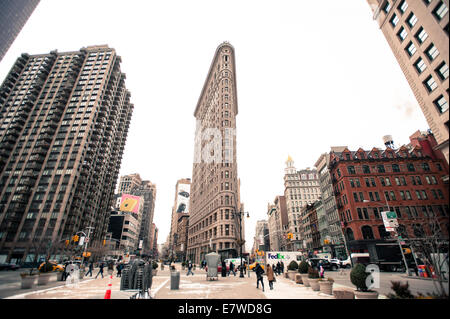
395	234
241	242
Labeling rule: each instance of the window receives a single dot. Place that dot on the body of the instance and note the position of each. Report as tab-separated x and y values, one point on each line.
432	52
410	167
442	71
430	83
387	7
411	48
395	168
351	169
440	11
402	34
441	104
421	35
420	65
403	6
381	169
394	20
366	169
412	20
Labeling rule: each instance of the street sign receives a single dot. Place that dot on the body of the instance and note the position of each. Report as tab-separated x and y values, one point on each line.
390	220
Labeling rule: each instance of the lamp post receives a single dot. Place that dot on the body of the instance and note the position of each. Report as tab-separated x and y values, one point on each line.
395	234
86	241
241	242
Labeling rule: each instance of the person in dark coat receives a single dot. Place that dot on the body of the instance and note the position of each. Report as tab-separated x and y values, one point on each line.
259	276
100	272
190	268
119	269
65	274
224	269
232	268
91	267
282	267
278	268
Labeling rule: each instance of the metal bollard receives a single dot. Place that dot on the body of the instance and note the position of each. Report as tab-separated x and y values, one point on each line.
174	280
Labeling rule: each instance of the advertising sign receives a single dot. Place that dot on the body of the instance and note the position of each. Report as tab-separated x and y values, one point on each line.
183	193
129	203
272	257
390	220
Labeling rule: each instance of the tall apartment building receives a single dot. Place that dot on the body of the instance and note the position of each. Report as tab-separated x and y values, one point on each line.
418	33
300	188
63	125
154	241
13	16
180	208
213	224
335	242
405	180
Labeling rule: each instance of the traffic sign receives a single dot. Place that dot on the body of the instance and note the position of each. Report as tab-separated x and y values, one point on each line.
390	220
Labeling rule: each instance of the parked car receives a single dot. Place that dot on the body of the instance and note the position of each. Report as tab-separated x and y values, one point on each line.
327	265
252	266
9	266
346	263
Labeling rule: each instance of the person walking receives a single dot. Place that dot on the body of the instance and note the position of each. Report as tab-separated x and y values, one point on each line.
100	272
189	269
224	269
321	270
270	276
278	268
119	269
282	267
65	274
259	276
232	268
91	267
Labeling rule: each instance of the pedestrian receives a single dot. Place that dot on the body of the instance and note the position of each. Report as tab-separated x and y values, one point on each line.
245	268
278	267
65	274
270	276
321	270
282	267
100	272
91	267
189	269
259	276
119	269
232	268
224	269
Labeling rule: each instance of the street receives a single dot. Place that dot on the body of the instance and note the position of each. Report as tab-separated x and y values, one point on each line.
195	287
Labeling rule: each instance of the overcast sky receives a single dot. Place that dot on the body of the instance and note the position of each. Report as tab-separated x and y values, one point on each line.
310	75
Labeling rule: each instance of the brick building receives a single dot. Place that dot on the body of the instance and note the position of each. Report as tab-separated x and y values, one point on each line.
407	180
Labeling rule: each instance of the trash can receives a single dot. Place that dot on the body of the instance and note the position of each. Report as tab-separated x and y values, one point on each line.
174	280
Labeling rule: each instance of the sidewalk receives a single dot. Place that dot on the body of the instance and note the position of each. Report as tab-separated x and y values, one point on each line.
191	287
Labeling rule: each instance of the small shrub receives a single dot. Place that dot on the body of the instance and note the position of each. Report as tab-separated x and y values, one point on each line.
46	267
358	277
303	267
313	273
293	265
154	265
401	291
330	279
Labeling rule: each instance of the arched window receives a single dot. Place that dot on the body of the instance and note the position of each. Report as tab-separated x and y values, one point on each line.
402	231
382	231
350	235
367	232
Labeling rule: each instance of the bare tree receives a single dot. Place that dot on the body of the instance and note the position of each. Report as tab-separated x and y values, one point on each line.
432	247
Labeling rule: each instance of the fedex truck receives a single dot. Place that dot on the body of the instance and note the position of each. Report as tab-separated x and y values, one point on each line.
273	257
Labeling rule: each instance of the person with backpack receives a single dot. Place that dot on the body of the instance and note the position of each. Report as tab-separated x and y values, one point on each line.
190	268
259	276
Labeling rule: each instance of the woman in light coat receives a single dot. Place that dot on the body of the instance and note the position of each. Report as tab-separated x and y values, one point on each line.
270	276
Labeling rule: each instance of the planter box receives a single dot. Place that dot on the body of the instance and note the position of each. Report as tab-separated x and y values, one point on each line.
298	279
366	295
326	287
314	283
43	278
342	293
28	282
305	280
154	272
291	274
286	275
59	275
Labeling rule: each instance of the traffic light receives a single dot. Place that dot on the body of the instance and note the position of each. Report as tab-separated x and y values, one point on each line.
406	250
290	236
75	238
104	242
67	242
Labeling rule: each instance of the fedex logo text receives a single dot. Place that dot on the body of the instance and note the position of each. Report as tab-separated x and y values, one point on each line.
275	256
